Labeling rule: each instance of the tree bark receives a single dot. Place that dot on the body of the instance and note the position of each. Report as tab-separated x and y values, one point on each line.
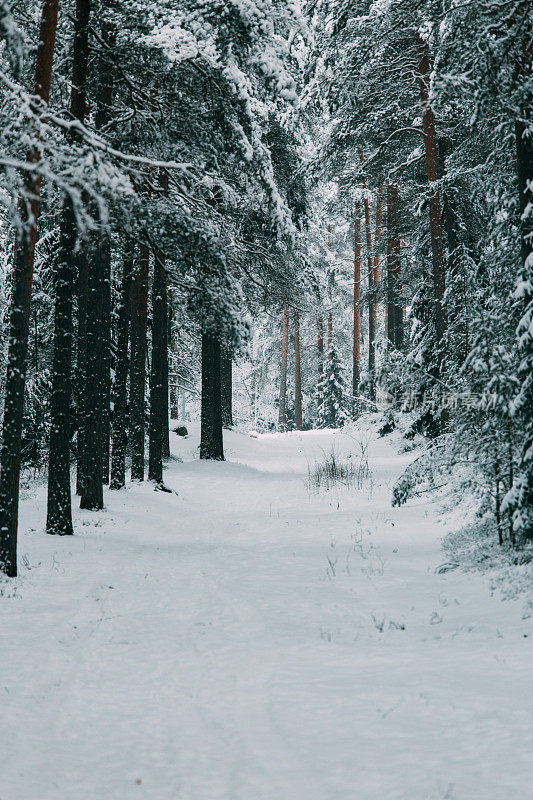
165	342
95	412
356	345
105	362
59	508
227	387
211	439
92	496
118	450
376	259
174	386
320	359
165	438
297	374
83	292
432	164
394	306
139	318
19	321
157	405
330	342
282	420
371	300
103	115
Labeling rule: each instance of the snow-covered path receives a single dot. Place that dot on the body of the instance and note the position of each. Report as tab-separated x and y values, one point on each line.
251	640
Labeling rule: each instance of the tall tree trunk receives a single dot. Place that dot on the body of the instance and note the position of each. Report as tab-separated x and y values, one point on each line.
320	359
211	439
165	343
92	496
118	451
83	292
297	374
103	116
174	386
105	363
282	421
139	315
376	258
394	307
23	261
157	405
59	509
59	506
432	164
227	387
371	300
95	412
356	345
330	342
253	383
37	411
165	439
95	398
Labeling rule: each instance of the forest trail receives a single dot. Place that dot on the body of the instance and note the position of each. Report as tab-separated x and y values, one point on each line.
250	639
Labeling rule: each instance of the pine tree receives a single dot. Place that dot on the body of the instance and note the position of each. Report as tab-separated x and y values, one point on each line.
118	451
59	511
334	410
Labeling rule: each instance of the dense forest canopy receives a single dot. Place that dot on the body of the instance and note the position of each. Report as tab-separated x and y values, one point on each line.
284	215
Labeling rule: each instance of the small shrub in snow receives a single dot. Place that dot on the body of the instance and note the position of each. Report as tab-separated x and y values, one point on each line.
331	471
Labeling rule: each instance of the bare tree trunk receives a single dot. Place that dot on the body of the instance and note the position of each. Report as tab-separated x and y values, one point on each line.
282	422
227	387
83	291
376	259
371	301
118	452
139	318
174	386
432	164
330	342
95	412
103	116
253	383
297	374
105	363
394	306
165	342
155	452
356	345
165	442
19	321
91	490
59	508
211	441
320	357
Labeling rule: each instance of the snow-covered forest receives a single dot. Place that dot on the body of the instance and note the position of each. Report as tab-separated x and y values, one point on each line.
266	343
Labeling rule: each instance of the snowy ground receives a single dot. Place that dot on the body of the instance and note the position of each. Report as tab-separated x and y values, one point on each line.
251	640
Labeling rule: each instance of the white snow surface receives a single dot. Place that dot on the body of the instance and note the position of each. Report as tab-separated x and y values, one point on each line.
248	639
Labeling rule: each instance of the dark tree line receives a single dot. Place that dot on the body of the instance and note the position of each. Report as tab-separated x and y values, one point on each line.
152	219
